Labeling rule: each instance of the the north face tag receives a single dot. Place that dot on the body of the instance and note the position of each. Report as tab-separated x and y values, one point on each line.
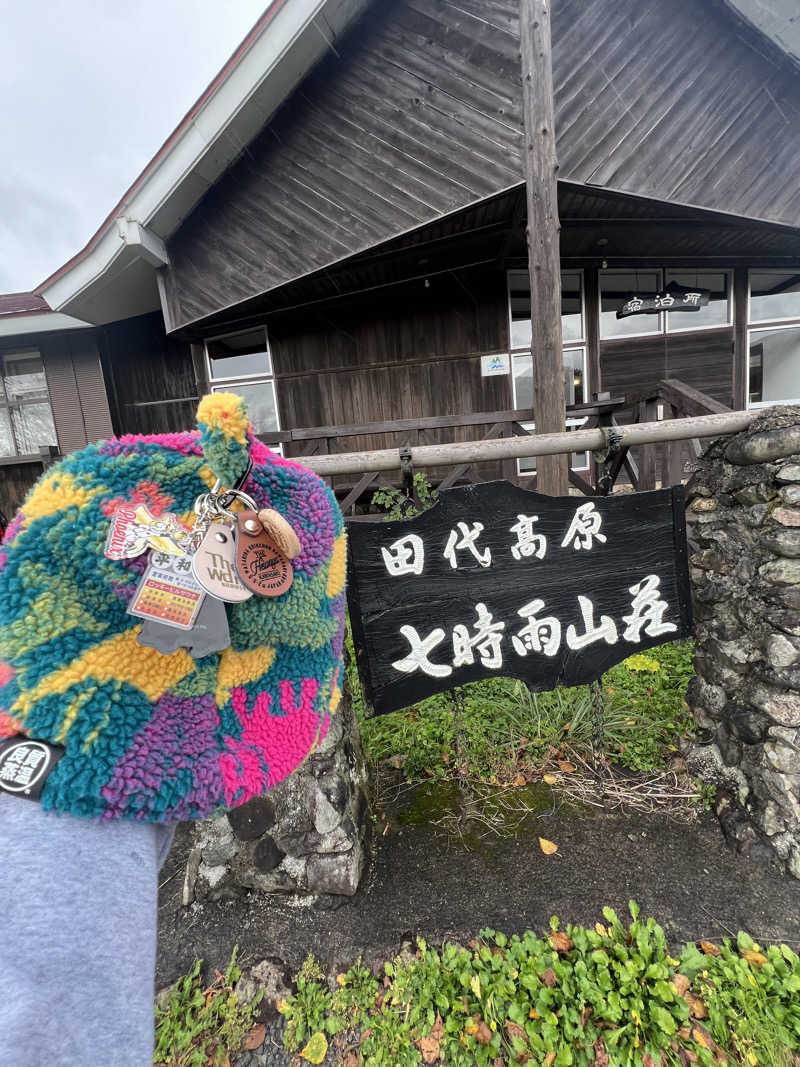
25	765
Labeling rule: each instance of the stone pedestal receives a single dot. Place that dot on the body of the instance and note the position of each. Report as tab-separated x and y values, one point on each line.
744	528
306	836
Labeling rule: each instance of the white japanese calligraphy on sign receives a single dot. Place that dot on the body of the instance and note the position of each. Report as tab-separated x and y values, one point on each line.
467	541
585	527
486	641
406	555
606	631
692	298
538	635
421	647
529	543
648	611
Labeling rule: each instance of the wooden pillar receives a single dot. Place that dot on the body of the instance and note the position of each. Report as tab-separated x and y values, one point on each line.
740	301
200	369
540	167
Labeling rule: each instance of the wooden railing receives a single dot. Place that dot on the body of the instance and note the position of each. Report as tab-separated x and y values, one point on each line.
642	467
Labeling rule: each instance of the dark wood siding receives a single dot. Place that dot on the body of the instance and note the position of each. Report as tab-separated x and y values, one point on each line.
703	360
149	376
412	354
15	481
418	114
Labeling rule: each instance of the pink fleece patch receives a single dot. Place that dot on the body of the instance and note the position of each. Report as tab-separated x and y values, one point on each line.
285	740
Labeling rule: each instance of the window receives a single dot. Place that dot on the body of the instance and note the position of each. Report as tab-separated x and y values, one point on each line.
241	363
718	310
519	300
574	352
774	366
774	295
617	286
26	418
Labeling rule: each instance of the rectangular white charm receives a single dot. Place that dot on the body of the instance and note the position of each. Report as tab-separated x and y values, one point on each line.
496	364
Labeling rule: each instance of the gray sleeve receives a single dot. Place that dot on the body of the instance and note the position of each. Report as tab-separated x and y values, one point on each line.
79	905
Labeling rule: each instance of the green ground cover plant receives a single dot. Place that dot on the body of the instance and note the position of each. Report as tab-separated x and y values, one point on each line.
612	996
201	1025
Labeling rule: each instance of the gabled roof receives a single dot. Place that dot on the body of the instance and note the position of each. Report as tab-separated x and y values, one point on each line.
114	276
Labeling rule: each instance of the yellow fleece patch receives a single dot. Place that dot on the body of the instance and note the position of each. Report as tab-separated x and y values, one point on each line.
119	659
336	696
224	412
338	567
236	668
55	493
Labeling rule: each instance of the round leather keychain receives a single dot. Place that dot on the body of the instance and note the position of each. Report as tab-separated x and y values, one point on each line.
261	565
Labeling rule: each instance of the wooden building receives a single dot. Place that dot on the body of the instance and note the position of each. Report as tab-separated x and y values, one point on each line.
337	229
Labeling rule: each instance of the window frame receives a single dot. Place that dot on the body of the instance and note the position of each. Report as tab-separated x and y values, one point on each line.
760	327
229	382
27	351
701	329
756	323
239	377
578	421
580	273
627	336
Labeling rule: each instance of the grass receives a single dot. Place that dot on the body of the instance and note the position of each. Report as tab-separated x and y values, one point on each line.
611	995
506	733
202	1025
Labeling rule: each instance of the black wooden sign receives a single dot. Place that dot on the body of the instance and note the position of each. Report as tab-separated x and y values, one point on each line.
674	298
496	580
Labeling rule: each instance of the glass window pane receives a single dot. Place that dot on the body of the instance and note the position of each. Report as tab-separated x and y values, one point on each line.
33	426
24	377
774	366
260	400
774	295
579	461
519	297
239	354
617	286
718	310
27	422
574	378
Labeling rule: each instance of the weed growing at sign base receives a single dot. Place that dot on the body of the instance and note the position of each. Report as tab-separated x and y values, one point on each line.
507	732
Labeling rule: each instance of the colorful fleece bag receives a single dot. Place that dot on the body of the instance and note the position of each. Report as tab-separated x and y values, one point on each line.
144	734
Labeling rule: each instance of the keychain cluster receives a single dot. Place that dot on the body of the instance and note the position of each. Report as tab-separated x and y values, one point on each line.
192	572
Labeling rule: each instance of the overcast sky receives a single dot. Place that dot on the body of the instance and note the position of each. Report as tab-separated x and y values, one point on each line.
89	89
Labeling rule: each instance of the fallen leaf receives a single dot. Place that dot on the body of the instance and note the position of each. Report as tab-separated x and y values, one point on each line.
498	1061
429	1047
700	1037
586	1014
684	1033
471	1027
515	1030
600	1054
566	766
549	978
754	957
484	1034
255	1038
549	1059
710	949
520	780
445	756
688	1056
350	1059
600	929
316	1049
341	979
533	1014
560	942
548	847
438	1028
696	1006
549	779
681	983
648	1061
475	985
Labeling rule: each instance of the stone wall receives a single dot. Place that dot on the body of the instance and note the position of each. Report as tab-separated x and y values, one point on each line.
744	529
306	836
